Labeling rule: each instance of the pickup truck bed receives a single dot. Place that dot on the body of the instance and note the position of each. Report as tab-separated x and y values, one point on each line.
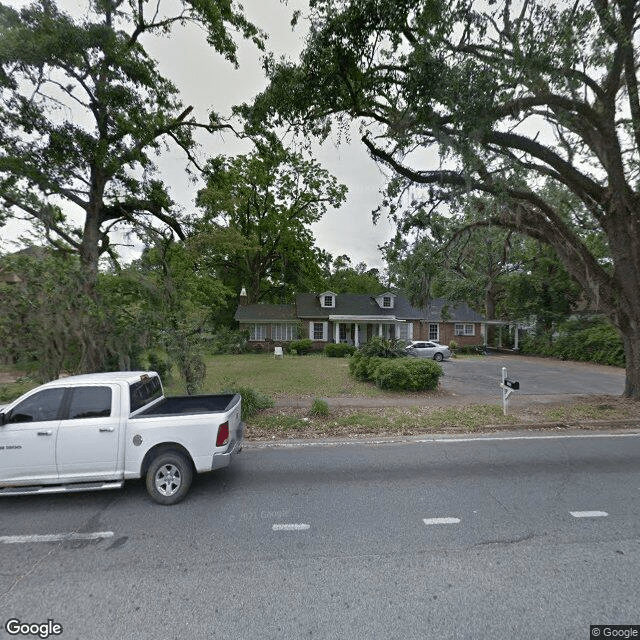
178	405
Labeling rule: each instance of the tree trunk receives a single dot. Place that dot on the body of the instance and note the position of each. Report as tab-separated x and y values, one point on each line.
92	331
631	341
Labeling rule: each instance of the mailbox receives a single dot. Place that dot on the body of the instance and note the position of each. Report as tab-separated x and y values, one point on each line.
512	384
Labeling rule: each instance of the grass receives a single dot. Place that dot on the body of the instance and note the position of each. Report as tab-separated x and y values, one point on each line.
390	421
311	376
588	411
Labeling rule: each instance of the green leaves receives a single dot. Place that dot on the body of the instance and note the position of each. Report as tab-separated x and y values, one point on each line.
258	210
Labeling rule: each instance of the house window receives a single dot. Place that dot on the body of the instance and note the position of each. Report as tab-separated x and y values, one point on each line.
318	331
284	332
465	329
434	333
403	331
328	300
386	302
257	332
343	332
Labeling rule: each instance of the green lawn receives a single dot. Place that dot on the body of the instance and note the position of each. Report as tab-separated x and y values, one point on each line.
311	375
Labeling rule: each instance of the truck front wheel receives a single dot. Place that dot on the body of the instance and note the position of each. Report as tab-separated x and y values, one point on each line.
169	477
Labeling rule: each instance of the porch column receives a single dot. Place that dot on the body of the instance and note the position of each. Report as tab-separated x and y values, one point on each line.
380	329
356	340
336	332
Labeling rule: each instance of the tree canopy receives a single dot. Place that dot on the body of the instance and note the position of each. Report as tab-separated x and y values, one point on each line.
463	98
84	109
256	228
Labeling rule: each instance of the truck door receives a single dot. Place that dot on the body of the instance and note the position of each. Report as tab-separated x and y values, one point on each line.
88	435
28	439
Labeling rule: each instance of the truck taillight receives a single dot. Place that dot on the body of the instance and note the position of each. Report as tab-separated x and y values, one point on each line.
223	435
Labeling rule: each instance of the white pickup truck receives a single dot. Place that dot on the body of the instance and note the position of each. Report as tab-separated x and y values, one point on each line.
95	431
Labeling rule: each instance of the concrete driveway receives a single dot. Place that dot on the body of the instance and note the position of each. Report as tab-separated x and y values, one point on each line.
546	379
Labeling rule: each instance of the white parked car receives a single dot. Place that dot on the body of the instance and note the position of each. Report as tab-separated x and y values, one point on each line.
428	349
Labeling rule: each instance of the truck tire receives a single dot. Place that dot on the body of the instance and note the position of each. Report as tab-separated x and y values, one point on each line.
169	477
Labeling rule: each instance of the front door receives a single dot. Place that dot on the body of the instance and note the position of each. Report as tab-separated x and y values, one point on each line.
88	437
28	439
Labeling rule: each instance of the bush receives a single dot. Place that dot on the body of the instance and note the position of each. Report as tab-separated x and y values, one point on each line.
226	341
407	375
252	401
384	348
588	340
319	408
339	350
470	349
301	347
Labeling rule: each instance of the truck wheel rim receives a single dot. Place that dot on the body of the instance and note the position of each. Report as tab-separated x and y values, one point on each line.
168	479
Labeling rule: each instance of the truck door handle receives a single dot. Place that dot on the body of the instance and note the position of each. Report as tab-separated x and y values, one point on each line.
106	429
45	433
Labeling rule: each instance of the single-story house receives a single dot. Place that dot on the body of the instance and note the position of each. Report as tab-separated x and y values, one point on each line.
356	318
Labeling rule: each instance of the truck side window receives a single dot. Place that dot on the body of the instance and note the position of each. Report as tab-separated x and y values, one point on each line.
90	402
40	407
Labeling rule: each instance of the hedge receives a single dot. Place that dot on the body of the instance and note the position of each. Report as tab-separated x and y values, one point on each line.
398	374
407	375
592	340
339	350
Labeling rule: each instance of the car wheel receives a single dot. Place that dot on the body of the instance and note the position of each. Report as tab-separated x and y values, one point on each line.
169	477
438	357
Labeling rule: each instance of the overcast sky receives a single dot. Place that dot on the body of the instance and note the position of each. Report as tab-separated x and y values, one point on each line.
208	82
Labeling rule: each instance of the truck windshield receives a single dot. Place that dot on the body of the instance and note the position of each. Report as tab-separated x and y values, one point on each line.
143	392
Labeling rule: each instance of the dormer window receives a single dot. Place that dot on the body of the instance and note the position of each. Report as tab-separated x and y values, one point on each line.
328	300
386	300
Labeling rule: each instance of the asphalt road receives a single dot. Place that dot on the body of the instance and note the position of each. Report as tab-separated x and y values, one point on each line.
496	538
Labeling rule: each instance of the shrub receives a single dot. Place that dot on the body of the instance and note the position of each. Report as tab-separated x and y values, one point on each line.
339	350
384	348
407	375
301	347
319	408
590	340
470	349
253	401
226	341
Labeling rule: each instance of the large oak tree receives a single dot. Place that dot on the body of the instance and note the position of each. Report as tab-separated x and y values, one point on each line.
509	96
83	111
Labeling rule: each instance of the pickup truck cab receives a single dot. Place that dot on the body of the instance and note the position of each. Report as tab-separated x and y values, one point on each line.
95	431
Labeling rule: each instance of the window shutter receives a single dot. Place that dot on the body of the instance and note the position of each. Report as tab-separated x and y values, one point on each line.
325	330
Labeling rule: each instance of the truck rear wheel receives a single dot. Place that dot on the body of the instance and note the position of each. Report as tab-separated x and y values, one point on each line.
169	477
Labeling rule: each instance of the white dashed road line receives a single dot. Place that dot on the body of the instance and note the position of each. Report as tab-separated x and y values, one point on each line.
441	520
56	537
589	514
291	527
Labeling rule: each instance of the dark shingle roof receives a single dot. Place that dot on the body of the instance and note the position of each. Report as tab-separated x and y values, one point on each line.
352	304
265	312
460	312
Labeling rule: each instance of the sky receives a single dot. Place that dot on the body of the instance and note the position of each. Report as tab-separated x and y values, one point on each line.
207	81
